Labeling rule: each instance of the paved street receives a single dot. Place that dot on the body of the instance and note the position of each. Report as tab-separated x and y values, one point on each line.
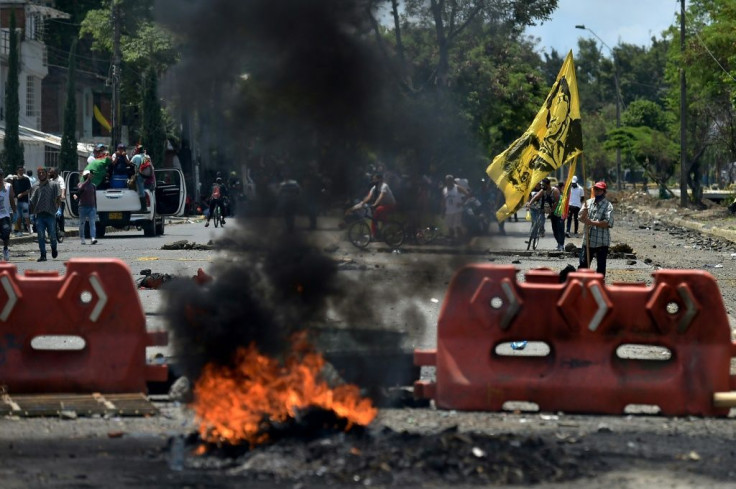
384	264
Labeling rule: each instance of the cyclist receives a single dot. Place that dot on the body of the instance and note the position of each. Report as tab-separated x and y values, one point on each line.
535	207
217	198
384	202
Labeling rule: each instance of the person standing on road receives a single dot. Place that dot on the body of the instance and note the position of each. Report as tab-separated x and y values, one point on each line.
7	209
44	202
54	177
22	188
549	195
453	196
597	216
573	210
87	195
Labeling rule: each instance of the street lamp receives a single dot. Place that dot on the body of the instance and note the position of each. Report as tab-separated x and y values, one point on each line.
618	100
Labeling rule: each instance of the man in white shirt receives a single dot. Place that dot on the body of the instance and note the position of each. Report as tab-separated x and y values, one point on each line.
576	200
453	197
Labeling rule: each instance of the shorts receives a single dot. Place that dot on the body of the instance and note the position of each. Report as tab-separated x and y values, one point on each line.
21	210
454	220
5	228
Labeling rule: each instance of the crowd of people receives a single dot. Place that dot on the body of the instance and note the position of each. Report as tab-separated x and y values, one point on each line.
36	204
120	171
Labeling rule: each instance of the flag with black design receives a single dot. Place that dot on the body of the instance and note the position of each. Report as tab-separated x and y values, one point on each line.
554	139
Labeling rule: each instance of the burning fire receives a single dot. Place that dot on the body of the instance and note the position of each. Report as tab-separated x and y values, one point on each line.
231	403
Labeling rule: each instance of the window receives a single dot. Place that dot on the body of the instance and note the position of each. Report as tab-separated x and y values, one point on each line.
51	156
30	96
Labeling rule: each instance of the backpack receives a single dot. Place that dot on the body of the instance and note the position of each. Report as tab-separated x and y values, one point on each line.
146	168
215	191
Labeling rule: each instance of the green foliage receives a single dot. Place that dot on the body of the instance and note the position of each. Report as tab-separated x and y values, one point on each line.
645	113
144	45
13	150
647	148
68	159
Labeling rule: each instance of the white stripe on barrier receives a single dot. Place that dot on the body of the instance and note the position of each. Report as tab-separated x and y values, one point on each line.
595	289
101	298
12	298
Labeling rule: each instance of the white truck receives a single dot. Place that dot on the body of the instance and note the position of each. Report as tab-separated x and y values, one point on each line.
120	208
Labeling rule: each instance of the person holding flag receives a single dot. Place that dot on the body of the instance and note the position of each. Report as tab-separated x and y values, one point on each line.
554	139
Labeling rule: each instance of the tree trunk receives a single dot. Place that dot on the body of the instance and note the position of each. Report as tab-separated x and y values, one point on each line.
443	65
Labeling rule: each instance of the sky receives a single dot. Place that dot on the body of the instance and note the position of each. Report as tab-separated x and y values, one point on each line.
628	21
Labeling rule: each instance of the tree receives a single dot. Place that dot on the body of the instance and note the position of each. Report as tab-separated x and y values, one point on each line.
153	133
144	44
710	69
13	150
68	159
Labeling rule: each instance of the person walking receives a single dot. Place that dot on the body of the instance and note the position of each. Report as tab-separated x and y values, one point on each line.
45	199
7	210
576	201
22	189
597	216
87	195
55	177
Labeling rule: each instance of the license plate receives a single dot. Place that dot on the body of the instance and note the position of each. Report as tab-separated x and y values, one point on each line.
115	216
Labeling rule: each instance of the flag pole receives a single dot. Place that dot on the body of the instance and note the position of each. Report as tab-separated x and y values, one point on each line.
585	209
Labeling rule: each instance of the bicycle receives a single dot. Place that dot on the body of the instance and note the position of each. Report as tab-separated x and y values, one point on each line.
359	232
536	231
217	215
426	234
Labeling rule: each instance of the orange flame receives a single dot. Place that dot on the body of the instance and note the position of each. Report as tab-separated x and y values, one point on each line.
232	402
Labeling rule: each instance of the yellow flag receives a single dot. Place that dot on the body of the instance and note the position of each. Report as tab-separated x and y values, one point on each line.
554	139
101	118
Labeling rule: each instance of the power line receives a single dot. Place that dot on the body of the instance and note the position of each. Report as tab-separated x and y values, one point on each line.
712	56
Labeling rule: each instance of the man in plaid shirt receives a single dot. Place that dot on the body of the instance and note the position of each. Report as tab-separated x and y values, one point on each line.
597	216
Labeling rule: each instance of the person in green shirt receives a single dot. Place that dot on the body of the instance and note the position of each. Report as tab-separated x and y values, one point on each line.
99	168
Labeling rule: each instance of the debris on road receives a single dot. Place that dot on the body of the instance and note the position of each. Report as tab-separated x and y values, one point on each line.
152	280
187	245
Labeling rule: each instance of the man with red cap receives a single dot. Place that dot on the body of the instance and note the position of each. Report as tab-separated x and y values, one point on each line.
597	216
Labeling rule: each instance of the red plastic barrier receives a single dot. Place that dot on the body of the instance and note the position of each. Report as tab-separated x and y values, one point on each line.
583	321
95	305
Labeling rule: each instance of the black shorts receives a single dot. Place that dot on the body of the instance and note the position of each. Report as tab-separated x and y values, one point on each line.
5	228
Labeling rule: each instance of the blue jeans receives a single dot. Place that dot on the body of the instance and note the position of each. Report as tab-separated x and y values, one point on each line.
91	214
139	185
45	221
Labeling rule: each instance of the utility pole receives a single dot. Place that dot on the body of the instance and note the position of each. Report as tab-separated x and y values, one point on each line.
683	112
116	58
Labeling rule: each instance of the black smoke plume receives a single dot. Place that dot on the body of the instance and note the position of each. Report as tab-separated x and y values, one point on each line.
282	85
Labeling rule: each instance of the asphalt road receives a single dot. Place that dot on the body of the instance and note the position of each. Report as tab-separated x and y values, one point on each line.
622	451
412	313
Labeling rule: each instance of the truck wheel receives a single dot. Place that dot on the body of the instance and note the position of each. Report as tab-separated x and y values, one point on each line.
149	229
99	230
160	227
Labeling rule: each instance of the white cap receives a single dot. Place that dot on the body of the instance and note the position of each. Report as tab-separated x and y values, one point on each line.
85	173
574	179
